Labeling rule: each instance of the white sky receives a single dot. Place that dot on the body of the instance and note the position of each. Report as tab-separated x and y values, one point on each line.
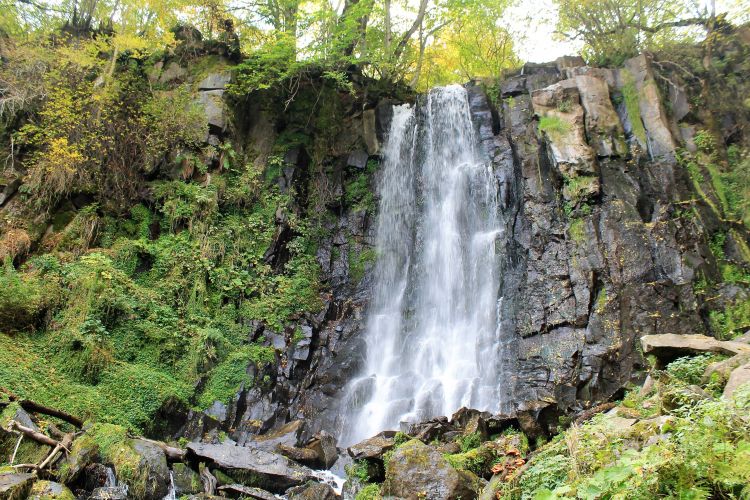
532	23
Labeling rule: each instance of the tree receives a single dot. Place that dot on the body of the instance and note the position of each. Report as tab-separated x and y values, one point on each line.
613	30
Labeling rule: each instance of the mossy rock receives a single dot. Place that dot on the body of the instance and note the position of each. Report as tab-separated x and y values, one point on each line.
139	464
15	486
49	490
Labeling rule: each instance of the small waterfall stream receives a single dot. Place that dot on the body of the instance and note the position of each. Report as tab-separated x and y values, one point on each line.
431	328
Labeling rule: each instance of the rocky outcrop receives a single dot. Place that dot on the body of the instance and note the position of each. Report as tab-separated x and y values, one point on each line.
597	251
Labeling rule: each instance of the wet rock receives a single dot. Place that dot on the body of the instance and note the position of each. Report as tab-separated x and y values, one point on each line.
15	486
186	480
324	446
304	456
312	491
253	466
373	447
153	465
416	470
109	493
49	490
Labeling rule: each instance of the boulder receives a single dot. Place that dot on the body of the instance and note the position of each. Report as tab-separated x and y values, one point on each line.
28	451
15	486
738	377
312	491
416	470
186	480
669	346
432	429
253	466
373	447
324	446
153	467
49	490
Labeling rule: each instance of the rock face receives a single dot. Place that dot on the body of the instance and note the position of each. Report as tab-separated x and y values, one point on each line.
416	470
49	490
596	251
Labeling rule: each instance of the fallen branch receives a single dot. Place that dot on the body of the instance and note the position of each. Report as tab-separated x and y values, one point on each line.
63	445
593	411
172	453
36	436
31	406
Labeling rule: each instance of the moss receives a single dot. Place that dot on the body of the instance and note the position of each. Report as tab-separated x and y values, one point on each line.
113	446
553	126
226	378
358	263
577	231
44	490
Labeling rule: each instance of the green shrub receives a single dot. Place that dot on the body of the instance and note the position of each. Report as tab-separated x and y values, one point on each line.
369	492
23	299
690	369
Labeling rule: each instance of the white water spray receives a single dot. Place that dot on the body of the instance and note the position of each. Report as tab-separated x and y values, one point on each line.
432	324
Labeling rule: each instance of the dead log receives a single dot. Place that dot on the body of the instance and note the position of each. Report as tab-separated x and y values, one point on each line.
31	406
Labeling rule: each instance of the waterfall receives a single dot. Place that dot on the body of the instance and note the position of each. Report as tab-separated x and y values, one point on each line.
432	327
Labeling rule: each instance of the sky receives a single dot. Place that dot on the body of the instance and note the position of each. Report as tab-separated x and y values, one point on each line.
532	23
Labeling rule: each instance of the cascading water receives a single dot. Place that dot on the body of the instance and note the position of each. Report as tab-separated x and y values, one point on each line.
432	324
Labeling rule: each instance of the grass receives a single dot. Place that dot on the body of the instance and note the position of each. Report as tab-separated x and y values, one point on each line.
553	126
